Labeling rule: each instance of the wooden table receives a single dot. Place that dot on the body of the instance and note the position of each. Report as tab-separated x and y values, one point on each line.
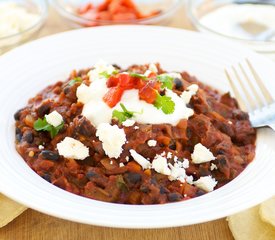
34	225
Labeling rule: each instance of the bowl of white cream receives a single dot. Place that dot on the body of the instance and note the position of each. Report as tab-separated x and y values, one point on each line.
250	22
20	20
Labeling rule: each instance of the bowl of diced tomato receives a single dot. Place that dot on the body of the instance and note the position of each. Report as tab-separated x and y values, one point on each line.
89	13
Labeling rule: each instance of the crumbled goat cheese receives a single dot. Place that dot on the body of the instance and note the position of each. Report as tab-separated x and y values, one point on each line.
72	148
177	173
142	161
169	155
54	118
152	143
189	93
201	154
112	138
213	166
206	183
121	164
159	164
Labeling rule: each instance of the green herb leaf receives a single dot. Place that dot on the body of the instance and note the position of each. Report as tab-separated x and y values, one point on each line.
105	74
166	80
124	115
75	80
137	75
121	184
164	103
43	125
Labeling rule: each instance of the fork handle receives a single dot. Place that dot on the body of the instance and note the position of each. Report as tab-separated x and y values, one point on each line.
272	126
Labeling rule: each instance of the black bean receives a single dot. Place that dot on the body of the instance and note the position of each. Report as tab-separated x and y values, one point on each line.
222	161
85	128
91	174
174	197
178	84
17	115
220	152
67	90
28	137
18	137
153	181
43	109
47	177
189	133
200	192
50	155
240	115
172	145
18	130
18	134
133	177
163	190
144	189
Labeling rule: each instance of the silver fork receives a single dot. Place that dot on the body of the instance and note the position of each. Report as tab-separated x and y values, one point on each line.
252	94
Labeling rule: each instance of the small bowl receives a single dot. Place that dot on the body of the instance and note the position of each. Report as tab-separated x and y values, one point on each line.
199	9
68	9
39	7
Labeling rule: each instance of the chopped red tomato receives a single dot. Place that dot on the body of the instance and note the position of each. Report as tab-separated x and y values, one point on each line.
113	96
126	81
113	10
112	81
148	94
86	8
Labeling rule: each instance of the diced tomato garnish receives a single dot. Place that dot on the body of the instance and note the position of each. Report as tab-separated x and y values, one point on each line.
139	83
85	8
113	96
124	16
104	15
152	75
126	81
116	10
148	94
112	81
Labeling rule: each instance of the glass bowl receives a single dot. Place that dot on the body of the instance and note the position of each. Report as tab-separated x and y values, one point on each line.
167	8
13	37
251	23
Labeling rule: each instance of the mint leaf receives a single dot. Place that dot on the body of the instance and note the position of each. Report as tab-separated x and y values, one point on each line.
43	125
137	75
166	80
75	80
164	103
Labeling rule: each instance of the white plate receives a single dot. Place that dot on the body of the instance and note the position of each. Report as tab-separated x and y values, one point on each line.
26	70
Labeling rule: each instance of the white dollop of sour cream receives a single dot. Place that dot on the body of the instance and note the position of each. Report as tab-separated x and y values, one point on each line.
97	111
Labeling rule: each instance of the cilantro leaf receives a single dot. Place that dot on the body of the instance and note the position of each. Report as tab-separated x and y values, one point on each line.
120	116
75	80
164	103
124	115
166	80
43	125
137	75
105	74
